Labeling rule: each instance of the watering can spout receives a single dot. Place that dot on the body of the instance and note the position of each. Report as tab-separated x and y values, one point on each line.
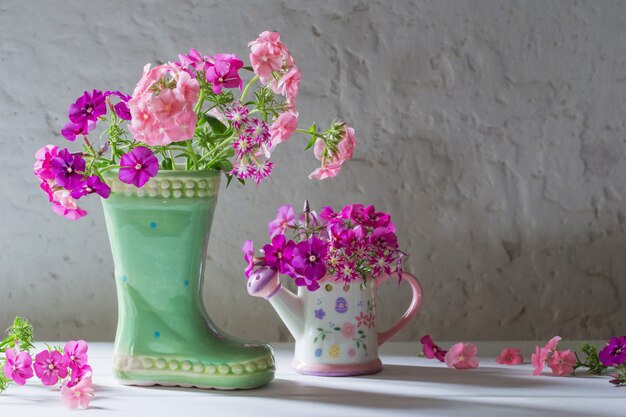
264	282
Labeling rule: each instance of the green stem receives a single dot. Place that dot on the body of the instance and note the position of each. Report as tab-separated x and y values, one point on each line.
200	102
245	90
172	158
108	168
222	143
192	153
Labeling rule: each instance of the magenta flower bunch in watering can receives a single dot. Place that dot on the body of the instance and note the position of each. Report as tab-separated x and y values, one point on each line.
337	260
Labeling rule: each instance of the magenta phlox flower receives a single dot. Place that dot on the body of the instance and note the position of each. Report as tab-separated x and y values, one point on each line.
347	272
75	354
88	107
194	59
381	264
224	72
71	130
50	366
431	350
237	115
121	108
243	145
248	255
308	258
384	239
138	166
285	218
279	253
368	216
18	366
68	169
92	185
258	131
614	353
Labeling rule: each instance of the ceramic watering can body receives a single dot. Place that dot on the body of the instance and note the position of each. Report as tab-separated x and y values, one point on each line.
334	327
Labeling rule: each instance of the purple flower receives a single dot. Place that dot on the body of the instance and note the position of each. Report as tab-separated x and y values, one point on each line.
258	131
431	350
50	366
614	353
18	366
319	313
308	259
194	59
138	166
88	107
121	108
71	130
68	169
224	72
279	253
368	216
91	185
384	238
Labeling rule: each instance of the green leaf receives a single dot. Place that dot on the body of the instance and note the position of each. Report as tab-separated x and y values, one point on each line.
230	152
364	346
311	143
320	329
313	128
324	336
358	344
225	165
243	182
217	126
337	328
360	331
229	178
166	164
315	340
201	120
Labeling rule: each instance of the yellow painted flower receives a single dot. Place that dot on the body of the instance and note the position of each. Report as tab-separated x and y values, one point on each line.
334	350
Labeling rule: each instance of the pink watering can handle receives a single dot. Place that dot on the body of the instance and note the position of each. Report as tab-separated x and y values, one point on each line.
414	307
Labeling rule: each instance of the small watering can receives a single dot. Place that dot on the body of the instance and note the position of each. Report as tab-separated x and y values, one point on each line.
334	327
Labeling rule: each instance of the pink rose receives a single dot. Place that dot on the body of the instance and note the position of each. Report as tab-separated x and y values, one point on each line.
282	129
510	356
462	356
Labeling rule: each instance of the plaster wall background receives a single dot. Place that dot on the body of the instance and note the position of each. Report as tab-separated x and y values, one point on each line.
492	130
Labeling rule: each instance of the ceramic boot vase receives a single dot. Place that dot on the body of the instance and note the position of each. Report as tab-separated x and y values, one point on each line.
159	235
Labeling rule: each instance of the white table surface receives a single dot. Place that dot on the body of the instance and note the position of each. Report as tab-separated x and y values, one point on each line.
408	386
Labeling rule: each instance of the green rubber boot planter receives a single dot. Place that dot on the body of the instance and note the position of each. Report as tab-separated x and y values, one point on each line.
159	236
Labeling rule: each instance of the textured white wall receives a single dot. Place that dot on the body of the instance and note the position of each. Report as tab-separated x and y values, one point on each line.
492	130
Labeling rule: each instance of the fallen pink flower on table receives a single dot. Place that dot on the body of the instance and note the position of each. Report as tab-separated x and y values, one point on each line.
462	356
510	356
77	394
430	350
562	362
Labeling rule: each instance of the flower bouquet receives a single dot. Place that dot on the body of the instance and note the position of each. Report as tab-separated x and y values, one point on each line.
349	253
157	169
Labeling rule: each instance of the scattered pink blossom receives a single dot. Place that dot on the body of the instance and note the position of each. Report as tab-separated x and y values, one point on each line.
18	366
43	162
65	205
510	356
562	362
77	393
224	72
462	356
50	366
430	350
